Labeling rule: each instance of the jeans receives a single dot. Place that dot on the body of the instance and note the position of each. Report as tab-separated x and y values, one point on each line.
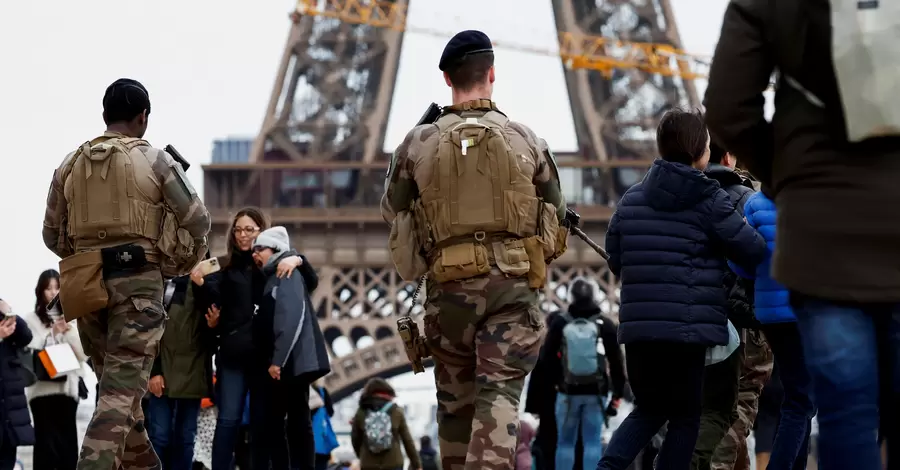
791	445
231	385
667	381
173	429
573	412
846	346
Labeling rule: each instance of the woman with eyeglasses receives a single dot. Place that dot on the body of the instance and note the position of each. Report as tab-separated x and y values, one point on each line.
230	297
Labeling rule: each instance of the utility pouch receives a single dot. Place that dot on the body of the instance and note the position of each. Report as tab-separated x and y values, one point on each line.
81	287
537	269
462	261
511	257
122	258
177	248
405	247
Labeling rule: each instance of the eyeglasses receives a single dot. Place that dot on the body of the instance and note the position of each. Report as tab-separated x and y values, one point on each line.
247	230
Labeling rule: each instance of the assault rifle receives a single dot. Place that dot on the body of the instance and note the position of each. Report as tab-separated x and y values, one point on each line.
177	157
572	221
431	114
413	341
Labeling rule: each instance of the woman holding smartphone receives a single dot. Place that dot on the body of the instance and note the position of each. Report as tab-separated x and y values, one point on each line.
231	296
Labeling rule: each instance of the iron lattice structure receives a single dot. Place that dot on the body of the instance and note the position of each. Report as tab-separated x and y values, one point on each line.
318	166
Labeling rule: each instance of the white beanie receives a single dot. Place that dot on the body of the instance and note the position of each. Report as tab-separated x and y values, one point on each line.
275	238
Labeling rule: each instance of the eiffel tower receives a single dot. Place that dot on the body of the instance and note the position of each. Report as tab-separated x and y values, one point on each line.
318	165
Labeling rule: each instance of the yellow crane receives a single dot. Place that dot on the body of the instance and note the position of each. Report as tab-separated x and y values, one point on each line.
577	51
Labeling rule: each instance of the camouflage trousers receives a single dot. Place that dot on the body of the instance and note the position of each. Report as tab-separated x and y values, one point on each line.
481	359
732	452
122	341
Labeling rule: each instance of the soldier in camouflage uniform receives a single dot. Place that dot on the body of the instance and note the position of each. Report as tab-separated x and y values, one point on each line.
758	361
142	207
484	182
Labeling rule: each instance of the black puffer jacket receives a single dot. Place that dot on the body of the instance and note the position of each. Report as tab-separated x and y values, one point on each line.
740	290
15	422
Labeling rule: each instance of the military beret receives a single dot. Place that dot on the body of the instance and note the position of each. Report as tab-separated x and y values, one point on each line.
463	44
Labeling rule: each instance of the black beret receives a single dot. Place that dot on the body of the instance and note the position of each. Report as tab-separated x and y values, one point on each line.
463	44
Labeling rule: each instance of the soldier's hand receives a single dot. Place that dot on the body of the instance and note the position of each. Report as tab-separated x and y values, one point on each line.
157	384
212	316
286	266
275	372
7	327
197	276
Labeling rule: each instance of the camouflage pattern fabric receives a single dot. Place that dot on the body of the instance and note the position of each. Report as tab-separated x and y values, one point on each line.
177	193
412	166
732	452
485	335
122	342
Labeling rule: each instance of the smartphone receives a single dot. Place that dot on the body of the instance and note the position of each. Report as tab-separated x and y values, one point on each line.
209	266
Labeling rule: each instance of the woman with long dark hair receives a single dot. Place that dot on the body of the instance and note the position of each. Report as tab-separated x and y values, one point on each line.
231	297
54	402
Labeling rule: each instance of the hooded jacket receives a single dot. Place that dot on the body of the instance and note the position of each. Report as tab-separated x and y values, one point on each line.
393	458
668	241
286	330
740	289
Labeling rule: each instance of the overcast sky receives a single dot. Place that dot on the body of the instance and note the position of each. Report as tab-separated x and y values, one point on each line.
209	67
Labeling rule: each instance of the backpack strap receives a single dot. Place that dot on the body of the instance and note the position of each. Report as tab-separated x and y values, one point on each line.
567	317
386	407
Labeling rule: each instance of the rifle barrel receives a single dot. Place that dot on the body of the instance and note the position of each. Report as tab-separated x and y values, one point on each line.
599	249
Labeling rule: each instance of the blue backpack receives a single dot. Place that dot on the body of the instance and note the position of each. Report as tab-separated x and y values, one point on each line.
583	353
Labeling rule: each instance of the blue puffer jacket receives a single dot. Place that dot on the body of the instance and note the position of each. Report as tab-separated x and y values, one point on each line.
772	299
668	241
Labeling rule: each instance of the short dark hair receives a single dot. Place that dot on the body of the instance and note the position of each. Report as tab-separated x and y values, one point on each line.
124	100
716	152
681	136
471	70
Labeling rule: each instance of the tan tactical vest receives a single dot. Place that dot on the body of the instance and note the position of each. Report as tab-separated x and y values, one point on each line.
479	204
113	197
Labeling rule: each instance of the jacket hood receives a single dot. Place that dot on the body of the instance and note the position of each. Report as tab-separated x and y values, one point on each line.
673	187
726	176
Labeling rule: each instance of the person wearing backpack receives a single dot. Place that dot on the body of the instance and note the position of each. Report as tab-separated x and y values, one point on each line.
581	347
830	160
379	427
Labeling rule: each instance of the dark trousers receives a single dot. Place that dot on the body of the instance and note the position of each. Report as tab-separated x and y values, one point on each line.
55	432
173	430
719	412
7	453
281	425
322	461
667	381
791	446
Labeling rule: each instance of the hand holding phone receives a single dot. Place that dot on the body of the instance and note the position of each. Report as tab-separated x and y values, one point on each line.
203	269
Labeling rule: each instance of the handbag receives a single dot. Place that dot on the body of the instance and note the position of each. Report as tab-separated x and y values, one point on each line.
26	366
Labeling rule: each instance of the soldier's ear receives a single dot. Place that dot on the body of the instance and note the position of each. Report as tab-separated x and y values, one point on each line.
491	75
447	79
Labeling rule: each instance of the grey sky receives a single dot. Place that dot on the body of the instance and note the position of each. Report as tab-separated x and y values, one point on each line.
209	67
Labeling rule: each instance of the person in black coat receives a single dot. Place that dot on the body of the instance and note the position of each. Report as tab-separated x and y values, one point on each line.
668	243
15	422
